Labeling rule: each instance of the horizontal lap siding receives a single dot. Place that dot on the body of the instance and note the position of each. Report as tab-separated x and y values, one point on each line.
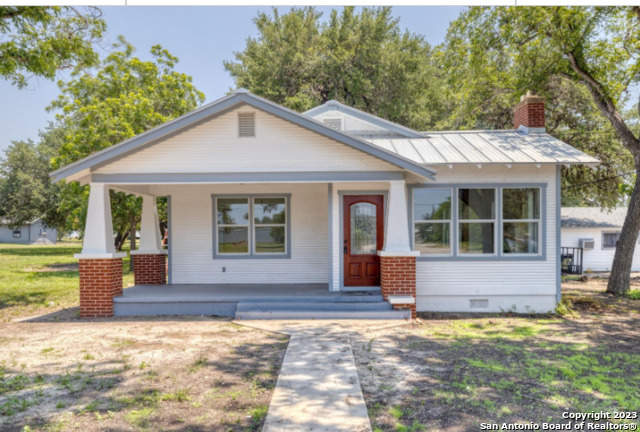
596	259
192	237
214	147
448	285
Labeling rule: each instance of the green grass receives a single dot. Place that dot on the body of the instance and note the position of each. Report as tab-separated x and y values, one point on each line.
634	294
33	278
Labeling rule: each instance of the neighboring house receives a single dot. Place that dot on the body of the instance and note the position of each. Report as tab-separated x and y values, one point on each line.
32	233
596	230
270	209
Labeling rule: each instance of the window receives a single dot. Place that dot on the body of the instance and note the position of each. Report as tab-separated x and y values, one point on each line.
484	222
476	221
246	124
432	221
520	220
17	233
610	239
251	226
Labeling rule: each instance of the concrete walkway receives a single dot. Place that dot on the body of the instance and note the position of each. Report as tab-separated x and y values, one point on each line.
318	387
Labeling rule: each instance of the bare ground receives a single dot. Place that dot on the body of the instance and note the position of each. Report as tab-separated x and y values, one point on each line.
454	372
195	374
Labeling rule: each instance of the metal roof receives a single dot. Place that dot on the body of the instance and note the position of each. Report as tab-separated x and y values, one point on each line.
485	147
593	217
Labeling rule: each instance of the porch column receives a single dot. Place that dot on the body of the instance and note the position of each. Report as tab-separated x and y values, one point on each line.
149	261
100	265
397	260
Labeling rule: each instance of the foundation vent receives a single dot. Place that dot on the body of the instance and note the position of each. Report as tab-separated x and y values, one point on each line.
478	303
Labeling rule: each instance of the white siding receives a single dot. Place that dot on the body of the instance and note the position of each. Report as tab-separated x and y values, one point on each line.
596	259
192	237
214	147
529	285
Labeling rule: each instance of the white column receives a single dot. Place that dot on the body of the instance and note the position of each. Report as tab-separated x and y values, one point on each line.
396	239
150	237
98	232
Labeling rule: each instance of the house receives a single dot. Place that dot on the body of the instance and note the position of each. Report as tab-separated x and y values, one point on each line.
34	232
329	213
596	231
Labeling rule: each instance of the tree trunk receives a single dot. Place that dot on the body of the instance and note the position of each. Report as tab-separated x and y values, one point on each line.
620	278
121	237
132	237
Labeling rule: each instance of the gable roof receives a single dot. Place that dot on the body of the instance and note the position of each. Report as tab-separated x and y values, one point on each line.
485	147
593	217
221	106
334	105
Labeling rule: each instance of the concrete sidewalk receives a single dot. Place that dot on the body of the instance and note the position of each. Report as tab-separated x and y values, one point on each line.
318	387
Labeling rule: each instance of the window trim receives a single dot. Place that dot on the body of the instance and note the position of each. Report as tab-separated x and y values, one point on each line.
412	224
499	255
251	228
602	246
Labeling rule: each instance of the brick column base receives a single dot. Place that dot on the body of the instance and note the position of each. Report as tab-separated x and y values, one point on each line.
100	282
398	277
150	269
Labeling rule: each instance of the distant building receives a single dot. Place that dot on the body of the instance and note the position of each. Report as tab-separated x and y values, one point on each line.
32	233
596	230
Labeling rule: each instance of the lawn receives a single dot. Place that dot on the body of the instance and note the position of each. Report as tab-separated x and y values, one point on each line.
454	372
41	279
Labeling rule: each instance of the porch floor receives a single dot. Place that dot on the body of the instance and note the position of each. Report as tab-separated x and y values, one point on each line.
238	292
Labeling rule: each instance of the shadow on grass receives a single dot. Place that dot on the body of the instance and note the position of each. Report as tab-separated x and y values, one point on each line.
103	393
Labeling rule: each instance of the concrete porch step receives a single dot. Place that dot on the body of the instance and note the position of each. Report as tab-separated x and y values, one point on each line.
313	306
265	315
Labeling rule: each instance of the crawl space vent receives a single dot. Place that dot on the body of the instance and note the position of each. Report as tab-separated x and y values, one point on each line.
478	303
335	123
246	125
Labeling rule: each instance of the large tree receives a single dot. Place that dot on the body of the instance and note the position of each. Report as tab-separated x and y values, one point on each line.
590	50
124	97
39	41
362	59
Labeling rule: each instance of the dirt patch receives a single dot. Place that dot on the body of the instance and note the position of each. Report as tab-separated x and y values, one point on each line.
160	374
67	267
454	372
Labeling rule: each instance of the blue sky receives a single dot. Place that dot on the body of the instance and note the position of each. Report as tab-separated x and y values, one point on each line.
201	37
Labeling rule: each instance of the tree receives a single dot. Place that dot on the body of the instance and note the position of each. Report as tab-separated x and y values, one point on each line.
125	97
40	41
360	59
26	191
596	49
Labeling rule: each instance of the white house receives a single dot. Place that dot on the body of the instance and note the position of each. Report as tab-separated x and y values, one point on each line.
30	233
333	212
596	231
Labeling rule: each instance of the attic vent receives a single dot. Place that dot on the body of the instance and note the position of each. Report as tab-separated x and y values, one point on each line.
478	303
246	124
335	123
587	243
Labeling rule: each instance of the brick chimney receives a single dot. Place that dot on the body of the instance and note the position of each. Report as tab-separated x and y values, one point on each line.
529	112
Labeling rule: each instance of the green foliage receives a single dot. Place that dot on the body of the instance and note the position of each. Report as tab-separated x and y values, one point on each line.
360	59
494	55
39	41
125	97
634	294
26	191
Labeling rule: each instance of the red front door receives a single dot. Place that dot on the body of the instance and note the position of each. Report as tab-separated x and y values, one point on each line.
363	238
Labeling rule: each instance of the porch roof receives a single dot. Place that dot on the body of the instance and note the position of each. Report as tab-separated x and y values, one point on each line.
83	167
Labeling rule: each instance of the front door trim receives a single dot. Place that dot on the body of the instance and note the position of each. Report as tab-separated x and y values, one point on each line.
338	249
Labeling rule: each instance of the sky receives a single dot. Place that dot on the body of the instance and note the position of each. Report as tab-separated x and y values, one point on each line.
201	37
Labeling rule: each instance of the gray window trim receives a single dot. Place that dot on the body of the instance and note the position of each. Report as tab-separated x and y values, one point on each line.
251	227
499	255
170	242
603	233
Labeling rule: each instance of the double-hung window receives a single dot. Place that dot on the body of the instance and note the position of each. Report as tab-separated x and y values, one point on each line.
251	226
610	239
476	221
520	220
432	221
470	222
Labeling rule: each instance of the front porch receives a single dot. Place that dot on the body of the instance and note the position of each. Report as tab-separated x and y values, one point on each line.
246	301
